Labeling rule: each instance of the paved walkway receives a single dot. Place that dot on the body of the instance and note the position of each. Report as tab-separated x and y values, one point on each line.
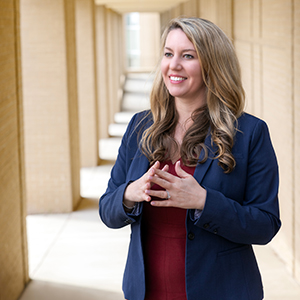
74	256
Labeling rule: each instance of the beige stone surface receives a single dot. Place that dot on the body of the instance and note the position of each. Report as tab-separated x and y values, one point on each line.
102	71
265	43
149	40
209	10
13	244
72	100
296	132
50	105
114	65
190	8
219	12
86	77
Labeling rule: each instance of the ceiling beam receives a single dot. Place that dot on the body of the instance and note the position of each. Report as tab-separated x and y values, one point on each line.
127	6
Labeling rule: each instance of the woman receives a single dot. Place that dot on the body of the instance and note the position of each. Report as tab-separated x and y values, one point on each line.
196	177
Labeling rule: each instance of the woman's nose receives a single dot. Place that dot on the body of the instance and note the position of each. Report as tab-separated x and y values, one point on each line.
175	63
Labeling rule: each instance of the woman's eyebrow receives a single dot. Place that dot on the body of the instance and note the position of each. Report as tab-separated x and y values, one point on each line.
184	50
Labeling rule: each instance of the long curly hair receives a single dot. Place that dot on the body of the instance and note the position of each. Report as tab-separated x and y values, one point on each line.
225	100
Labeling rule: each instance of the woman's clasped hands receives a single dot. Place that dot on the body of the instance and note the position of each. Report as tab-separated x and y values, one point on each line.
182	191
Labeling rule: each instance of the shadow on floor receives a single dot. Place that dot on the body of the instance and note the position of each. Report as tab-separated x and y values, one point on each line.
75	256
42	290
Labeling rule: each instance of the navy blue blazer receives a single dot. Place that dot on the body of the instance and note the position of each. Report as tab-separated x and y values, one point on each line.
241	209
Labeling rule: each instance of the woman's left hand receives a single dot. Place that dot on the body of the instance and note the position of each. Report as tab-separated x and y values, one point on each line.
183	191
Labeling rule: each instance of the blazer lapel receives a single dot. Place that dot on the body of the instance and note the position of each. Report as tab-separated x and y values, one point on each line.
138	167
201	169
140	164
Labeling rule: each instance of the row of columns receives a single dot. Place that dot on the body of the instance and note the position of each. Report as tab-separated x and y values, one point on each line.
70	88
61	64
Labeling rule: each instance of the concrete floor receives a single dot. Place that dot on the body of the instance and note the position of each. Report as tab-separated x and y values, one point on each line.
74	256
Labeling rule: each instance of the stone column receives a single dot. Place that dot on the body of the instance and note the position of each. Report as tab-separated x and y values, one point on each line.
13	254
86	75
50	105
149	41
112	51
296	131
102	71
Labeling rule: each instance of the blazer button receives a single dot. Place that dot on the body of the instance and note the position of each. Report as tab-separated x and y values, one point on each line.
128	221
191	236
206	225
215	231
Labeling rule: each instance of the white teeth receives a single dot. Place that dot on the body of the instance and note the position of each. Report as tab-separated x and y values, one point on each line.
176	78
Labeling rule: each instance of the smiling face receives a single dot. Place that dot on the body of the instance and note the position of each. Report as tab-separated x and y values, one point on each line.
181	69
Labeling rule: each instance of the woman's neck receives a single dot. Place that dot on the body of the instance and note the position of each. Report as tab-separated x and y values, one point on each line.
184	117
185	111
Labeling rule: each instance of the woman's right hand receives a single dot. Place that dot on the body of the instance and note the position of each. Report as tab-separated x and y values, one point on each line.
135	191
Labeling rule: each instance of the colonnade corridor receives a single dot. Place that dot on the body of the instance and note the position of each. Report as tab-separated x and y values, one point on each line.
74	256
63	82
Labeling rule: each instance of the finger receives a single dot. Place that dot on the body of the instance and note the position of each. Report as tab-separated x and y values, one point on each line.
165	168
156	165
165	175
179	171
147	186
162	203
152	169
160	181
146	197
157	193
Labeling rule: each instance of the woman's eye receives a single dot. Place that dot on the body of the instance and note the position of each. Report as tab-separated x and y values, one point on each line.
168	54
188	56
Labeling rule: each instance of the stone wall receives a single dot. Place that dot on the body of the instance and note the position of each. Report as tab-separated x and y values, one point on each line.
266	35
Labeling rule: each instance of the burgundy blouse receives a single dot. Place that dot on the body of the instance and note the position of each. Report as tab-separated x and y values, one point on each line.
164	240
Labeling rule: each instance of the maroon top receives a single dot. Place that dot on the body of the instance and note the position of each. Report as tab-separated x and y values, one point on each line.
164	239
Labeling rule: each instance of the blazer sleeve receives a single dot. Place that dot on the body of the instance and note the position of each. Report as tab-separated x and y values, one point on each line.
111	209
254	218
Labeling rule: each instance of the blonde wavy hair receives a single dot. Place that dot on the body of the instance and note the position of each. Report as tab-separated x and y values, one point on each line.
225	100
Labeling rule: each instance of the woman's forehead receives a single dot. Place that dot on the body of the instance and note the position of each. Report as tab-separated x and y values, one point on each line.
176	37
